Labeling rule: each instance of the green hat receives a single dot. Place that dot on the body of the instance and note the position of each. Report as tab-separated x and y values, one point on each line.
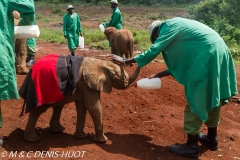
153	27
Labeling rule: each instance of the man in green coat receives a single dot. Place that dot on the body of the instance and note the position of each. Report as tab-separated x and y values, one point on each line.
8	85
198	58
30	46
116	19
72	29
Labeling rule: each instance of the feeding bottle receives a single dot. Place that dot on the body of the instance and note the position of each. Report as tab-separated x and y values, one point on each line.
26	32
102	27
81	42
146	83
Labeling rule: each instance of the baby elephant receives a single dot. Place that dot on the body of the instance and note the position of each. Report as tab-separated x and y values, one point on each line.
122	41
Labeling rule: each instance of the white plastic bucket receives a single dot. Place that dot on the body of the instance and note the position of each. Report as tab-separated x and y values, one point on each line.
81	42
26	32
153	83
102	28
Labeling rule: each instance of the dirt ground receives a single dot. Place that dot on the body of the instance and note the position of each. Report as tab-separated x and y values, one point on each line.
139	124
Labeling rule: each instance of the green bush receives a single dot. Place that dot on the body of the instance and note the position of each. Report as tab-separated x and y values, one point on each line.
223	17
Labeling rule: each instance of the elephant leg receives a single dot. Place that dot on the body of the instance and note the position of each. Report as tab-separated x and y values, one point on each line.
114	50
127	56
17	55
81	118
122	55
23	56
21	53
55	120
94	107
29	133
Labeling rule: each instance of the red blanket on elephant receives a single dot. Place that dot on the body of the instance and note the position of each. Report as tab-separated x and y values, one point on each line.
50	79
45	80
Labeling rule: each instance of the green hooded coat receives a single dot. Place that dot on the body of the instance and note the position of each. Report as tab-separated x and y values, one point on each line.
198	58
8	84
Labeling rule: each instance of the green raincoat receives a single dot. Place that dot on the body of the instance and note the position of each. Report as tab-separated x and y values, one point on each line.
31	44
71	29
8	85
116	19
199	59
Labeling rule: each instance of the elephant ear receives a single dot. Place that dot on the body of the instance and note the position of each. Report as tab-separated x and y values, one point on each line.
96	75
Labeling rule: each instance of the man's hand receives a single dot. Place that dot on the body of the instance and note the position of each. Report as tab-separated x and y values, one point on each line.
160	74
154	76
116	58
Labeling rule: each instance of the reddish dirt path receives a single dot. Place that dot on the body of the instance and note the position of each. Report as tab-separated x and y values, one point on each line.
140	124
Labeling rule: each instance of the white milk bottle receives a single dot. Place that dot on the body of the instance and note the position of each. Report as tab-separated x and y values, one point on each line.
102	27
81	42
146	83
26	32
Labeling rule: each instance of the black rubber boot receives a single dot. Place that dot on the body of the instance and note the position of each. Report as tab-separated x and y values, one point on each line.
189	149
210	140
30	60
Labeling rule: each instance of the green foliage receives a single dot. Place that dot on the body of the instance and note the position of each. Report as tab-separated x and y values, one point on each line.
235	51
224	17
141	40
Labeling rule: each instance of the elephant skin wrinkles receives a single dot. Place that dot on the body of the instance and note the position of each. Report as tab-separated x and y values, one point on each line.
95	76
122	41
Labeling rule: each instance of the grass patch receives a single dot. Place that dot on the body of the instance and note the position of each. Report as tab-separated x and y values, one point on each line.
49	17
52	36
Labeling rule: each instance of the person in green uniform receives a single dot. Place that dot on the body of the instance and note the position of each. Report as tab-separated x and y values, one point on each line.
30	46
116	19
198	58
31	51
72	29
8	85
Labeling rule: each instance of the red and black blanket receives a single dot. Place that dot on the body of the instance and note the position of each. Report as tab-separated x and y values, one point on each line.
50	79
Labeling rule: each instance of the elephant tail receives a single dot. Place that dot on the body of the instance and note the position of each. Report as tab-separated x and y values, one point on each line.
23	108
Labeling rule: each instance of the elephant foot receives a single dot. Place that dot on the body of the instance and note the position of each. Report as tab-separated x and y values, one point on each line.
80	135
24	70
57	128
31	137
100	139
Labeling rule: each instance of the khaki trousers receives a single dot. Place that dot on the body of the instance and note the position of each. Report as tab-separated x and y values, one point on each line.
192	123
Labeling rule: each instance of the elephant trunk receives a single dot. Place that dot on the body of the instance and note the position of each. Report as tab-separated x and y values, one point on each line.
134	76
